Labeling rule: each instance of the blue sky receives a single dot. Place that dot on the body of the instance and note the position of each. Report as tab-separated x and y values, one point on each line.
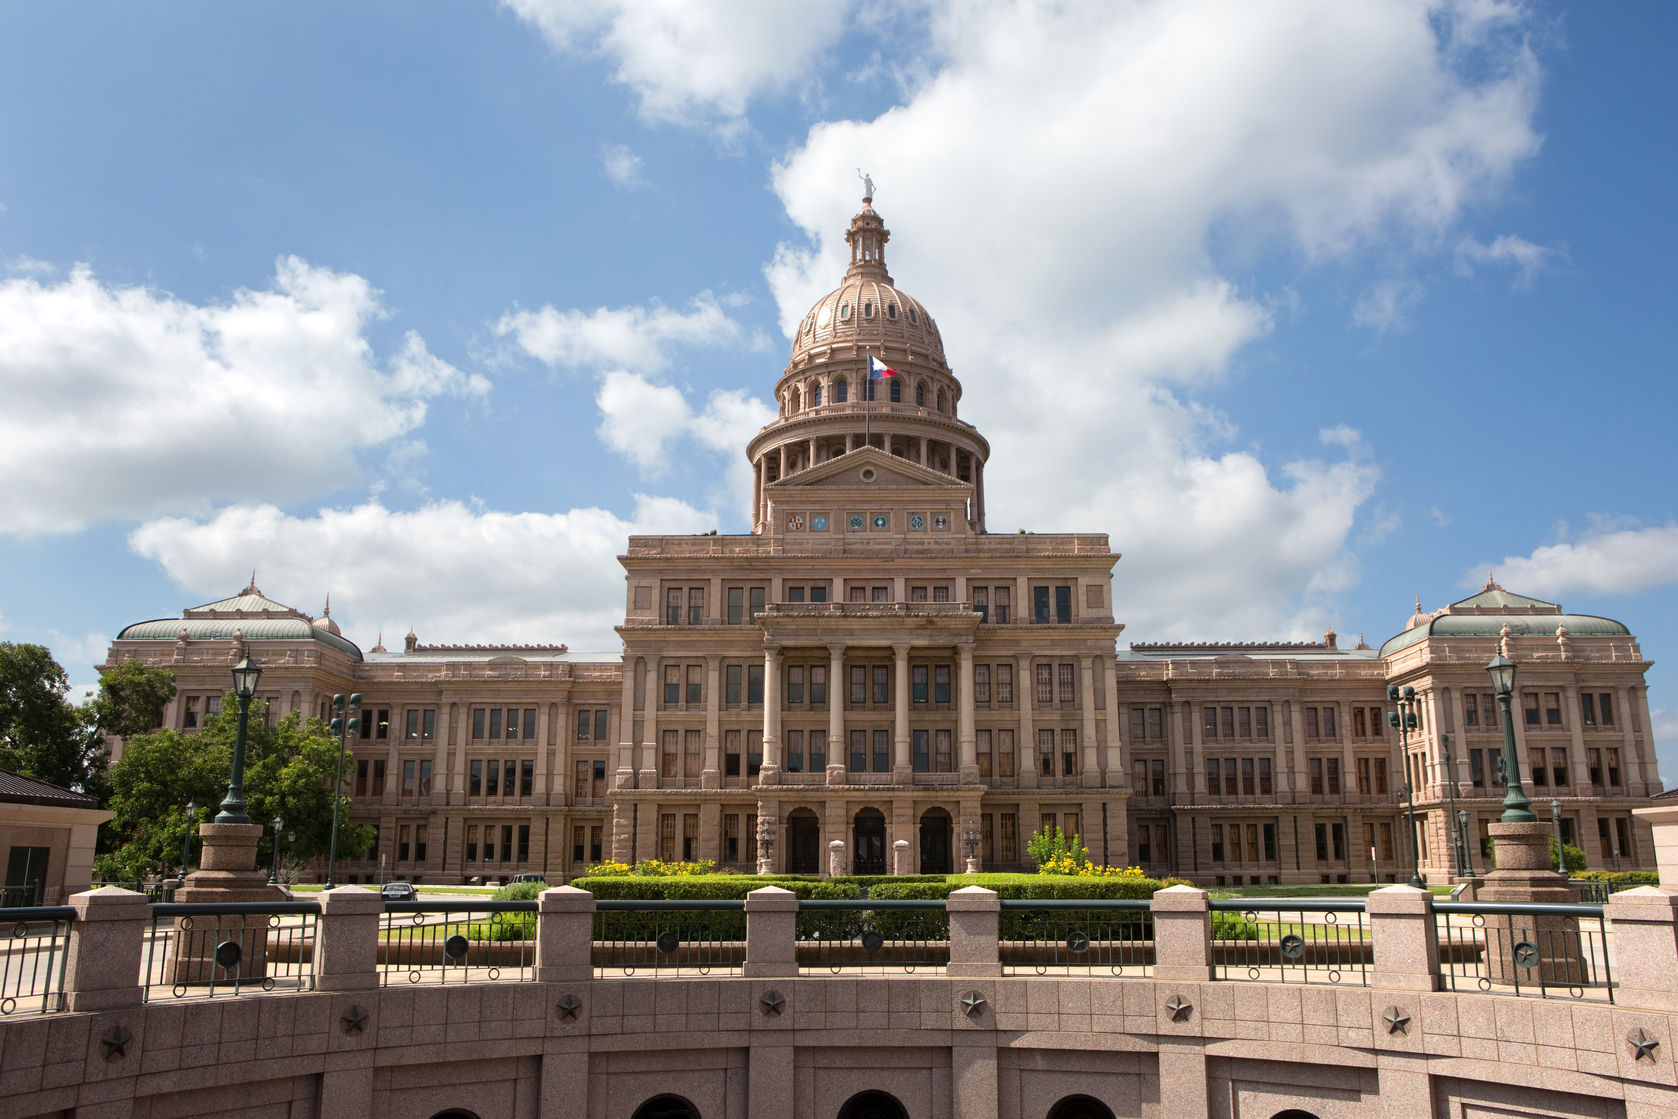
1315	307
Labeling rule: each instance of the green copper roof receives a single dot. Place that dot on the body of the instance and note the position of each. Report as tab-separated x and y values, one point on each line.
222	629
1491	625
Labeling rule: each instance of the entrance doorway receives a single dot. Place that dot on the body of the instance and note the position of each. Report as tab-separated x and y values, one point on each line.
26	876
868	851
935	841
873	1105
803	843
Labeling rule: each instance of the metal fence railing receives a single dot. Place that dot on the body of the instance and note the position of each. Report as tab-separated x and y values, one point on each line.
1113	937
675	937
1299	940
33	958
201	949
1512	948
457	941
869	936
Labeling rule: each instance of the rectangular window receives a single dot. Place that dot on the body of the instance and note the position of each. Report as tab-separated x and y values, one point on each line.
731	754
509	775
754	752
1270	843
1209	722
475	779
882	751
1228	723
943	758
917	683
795	683
411	719
1067	692
1312	730
982	747
818	751
1063	604
402	841
1470	710
756	598
672	684
1328	723
1245	722
1333	777
1005	685
1363	776
1214	779
1040	604
1359	728
1606	702
478	724
731	837
1156	776
981	603
795	751
818	684
1138	723
495	722
472	843
1007	826
1069	752
696	683
1593	760
1249	777
981	683
492	778
361	778
882	684
599	725
524	843
667	836
672	606
859	751
736	605
1529	704
1004	597
1614	767
1005	753
1217	843
1587	709
880	594
410	776
754	684
693	748
690	835
1261	721
920	755
424	788
696	605
670	741
1045	684
1316	769
1046	752
489	843
378	777
941	683
731	684
1477	768
917	594
1558	766
1552	709
859	685
582	724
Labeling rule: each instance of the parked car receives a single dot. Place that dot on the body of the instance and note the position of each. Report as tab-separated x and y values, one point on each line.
398	891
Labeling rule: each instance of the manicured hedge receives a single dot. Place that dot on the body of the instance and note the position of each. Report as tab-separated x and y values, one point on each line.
1621	879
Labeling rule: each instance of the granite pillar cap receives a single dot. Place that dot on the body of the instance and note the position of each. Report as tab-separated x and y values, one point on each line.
771	899
564	899
349	901
1181	899
1399	899
973	899
110	903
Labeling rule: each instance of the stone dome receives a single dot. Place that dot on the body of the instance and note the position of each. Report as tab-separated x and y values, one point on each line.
866	312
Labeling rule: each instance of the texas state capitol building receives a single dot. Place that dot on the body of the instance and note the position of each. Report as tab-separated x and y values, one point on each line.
871	666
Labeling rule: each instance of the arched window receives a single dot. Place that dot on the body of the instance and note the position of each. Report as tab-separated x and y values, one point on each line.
920	395
454	1113
666	1106
841	391
897	390
816	397
940	400
1080	1107
793	401
873	1105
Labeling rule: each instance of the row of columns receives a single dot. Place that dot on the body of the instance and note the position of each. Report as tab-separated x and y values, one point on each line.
637	764
854	440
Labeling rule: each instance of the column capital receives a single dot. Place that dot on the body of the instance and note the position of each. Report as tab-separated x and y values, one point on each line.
836	648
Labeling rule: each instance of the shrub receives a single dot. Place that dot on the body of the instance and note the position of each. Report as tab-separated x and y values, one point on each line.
519	891
1233	926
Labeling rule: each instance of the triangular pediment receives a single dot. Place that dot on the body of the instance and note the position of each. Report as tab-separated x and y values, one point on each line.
867	468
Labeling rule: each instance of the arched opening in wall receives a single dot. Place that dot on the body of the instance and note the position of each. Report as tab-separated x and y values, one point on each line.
940	400
935	842
868	844
841	391
920	395
873	1105
793	400
666	1106
455	1113
815	396
1293	1113
1080	1107
804	842
897	390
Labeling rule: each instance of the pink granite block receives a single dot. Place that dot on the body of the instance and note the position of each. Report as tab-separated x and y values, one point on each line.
396	1006
1107	998
1439	1013
240	1019
1626	1024
1164	1021
1480	1048
278	1019
18	1080
1105	1025
234	1052
1401	1004
530	1002
309	1044
1477	1018
464	1003
607	998
1252	1003
903	1000
60	1074
1552	1023
1284	1004
1317	1004
495	1028
1438	1044
1596	1063
1514	1021
67	1039
1556	1057
1321	1035
1214	1002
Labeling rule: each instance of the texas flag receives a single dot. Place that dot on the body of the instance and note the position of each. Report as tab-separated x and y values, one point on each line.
878	370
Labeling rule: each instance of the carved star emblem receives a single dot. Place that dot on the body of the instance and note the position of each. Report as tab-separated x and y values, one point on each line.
1179	1009
568	1008
972	1002
773	1002
1397	1021
116	1041
1643	1046
354	1020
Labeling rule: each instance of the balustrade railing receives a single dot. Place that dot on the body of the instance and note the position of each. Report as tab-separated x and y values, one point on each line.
457	942
1510	948
680	937
1066	937
33	959
873	936
208	950
1296	941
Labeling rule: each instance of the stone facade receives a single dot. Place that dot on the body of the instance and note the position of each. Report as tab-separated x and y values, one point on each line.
870	666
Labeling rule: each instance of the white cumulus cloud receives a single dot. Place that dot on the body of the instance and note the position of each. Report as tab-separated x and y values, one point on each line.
454	572
1610	558
622	166
694	63
126	402
1526	258
638	338
1063	186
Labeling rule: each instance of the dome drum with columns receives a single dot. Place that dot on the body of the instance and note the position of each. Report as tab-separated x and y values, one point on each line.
828	407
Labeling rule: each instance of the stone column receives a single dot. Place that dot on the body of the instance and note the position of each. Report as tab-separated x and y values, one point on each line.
966	738
444	782
626	725
975	914
1089	769
1117	776
564	935
711	776
901	768
1578	773
647	762
836	858
1523	874
347	941
107	940
838	750
1403	938
900	857
1025	766
770	774
771	933
1182	935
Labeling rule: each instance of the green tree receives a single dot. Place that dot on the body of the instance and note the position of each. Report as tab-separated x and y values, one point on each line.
131	698
289	767
43	735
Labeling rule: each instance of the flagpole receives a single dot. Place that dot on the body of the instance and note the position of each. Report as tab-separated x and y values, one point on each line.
867	394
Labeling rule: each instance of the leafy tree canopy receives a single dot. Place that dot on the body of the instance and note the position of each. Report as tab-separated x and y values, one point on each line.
132	698
289	768
43	735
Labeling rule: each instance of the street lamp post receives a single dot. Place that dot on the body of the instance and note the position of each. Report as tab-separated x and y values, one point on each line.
186	844
1460	844
245	677
765	847
971	839
344	723
1467	844
274	875
1516	808
1561	849
1404	719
